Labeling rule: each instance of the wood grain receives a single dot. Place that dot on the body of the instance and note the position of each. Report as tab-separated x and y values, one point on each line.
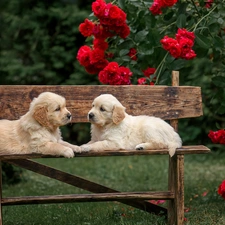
162	101
184	150
87	198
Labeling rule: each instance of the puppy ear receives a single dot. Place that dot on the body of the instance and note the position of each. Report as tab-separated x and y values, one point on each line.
118	114
40	114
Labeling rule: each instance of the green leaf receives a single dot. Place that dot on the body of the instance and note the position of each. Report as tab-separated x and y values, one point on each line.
123	52
202	41
219	81
181	21
140	36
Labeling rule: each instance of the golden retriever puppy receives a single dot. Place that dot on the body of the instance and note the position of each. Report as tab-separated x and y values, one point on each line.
38	130
112	129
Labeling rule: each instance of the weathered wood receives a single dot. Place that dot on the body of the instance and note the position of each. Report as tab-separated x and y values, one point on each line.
165	102
87	198
83	184
184	150
1	222
176	176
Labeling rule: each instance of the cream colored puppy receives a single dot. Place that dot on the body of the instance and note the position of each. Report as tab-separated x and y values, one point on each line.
112	129
38	130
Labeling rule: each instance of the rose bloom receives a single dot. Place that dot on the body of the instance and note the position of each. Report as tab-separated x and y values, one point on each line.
142	81
208	3
83	55
125	74
149	71
183	33
114	12
133	54
86	28
96	55
101	44
167	42
175	50
156	8
168	3
221	189
114	75
98	7
101	32
190	55
216	136
123	31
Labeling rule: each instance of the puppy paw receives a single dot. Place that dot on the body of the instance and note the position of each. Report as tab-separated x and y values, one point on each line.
68	153
85	148
139	147
76	149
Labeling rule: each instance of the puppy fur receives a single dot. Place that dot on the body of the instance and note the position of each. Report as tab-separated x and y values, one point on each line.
112	129
38	130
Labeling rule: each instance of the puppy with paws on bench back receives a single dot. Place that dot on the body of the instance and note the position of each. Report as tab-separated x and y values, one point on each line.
38	130
113	129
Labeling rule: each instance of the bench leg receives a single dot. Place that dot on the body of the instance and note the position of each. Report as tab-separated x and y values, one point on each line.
1	222
176	184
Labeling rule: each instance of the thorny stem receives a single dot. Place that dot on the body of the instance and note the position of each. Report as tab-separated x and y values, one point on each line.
195	7
159	68
204	18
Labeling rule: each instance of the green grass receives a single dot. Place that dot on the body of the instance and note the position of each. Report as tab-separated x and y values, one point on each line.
203	173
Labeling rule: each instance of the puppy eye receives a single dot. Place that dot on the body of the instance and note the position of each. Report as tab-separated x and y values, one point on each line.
58	108
102	109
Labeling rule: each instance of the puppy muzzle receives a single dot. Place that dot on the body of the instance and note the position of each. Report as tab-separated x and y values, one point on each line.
91	116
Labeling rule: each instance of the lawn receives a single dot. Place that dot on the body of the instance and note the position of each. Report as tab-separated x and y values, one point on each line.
203	174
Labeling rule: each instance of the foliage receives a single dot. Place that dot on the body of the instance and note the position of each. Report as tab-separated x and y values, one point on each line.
39	41
147	32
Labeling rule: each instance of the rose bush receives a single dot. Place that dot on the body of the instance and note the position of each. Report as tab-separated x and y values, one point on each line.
135	34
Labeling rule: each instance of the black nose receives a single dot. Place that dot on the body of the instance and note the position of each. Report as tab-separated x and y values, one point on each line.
69	115
91	115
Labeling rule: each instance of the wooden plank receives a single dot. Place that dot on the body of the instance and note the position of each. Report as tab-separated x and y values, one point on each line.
50	199
84	184
184	150
165	102
176	176
1	222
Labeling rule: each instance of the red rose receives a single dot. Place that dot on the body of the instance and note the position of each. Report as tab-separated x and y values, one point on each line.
208	3
149	71
168	3
221	189
183	33
83	55
123	31
156	8
142	81
133	54
125	74
86	28
101	44
216	136
101	32
190	55
96	55
98	7
114	12
175	50
114	75
167	42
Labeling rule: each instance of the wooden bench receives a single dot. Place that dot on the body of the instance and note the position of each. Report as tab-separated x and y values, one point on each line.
168	102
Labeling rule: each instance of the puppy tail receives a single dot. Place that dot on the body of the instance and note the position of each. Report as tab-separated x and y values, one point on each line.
172	146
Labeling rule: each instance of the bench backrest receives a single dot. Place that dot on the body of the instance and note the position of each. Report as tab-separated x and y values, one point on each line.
166	102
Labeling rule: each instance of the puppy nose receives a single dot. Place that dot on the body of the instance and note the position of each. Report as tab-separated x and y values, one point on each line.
91	115
69	116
